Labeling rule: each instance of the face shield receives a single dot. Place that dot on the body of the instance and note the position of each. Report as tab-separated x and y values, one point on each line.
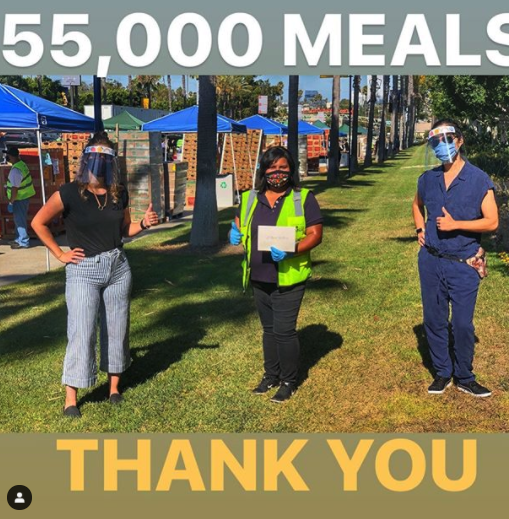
98	162
441	148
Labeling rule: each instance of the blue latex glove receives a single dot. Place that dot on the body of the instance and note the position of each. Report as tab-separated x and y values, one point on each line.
235	235
278	255
10	208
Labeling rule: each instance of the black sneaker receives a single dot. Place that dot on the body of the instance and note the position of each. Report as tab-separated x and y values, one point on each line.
266	384
285	391
474	388
439	385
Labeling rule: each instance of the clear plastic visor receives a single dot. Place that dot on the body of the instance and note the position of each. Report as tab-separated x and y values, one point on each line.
441	146
98	163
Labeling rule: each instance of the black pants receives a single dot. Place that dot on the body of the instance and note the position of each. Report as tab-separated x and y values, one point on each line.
278	310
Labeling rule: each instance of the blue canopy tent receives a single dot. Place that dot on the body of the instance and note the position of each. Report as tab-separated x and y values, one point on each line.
23	111
186	121
305	128
268	126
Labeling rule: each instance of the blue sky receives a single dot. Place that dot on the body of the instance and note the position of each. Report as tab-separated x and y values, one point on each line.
323	85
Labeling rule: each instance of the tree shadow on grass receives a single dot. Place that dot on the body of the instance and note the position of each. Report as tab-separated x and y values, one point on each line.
316	342
423	348
148	361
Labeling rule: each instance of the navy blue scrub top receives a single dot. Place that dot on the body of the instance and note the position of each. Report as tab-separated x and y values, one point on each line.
462	200
263	268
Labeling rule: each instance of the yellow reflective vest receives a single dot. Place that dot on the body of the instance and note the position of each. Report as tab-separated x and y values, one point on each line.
26	188
292	270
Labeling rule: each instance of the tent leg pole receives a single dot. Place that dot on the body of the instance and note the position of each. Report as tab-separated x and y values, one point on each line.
235	169
43	189
257	157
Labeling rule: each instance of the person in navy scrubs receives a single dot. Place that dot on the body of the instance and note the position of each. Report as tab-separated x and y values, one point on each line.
453	206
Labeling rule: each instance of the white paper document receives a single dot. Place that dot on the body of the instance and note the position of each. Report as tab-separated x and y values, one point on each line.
283	238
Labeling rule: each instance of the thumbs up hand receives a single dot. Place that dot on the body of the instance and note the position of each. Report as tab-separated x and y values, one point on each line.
446	222
150	217
235	235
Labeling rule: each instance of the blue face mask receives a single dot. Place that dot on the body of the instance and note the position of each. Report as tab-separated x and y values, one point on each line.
445	152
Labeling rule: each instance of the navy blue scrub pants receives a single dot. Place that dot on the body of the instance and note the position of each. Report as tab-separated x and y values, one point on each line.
445	282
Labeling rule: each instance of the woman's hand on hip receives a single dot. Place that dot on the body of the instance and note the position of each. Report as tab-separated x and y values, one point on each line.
421	238
72	256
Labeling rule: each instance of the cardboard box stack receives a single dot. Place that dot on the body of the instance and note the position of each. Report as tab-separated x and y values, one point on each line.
72	146
54	177
245	149
177	182
189	155
141	163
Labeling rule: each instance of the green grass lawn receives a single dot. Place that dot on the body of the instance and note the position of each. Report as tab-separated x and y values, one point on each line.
196	339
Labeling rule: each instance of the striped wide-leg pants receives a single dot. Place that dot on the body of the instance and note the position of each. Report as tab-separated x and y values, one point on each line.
98	285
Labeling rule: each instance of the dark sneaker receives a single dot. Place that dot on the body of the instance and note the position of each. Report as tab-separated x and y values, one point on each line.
72	412
266	384
475	389
440	384
16	246
116	398
285	391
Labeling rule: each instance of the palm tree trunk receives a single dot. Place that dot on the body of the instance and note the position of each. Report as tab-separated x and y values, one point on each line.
184	92
170	98
204	231
368	160
293	120
394	116
411	109
333	167
355	122
403	127
130	89
382	136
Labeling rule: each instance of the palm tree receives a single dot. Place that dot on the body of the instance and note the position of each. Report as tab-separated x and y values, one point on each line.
130	89
168	79
293	119
204	230
394	115
381	138
184	91
411	109
355	123
333	168
403	106
148	83
368	160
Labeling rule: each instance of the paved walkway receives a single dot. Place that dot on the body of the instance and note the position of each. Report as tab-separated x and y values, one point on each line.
20	264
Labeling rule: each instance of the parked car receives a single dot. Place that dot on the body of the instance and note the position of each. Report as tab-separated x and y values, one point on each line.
19	139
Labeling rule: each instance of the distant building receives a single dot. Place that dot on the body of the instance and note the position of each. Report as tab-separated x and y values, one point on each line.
144	114
309	94
422	129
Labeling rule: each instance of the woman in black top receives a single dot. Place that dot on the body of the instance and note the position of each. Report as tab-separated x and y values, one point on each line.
98	277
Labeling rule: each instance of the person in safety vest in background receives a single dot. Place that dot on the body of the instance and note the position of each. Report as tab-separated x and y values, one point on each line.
278	277
20	189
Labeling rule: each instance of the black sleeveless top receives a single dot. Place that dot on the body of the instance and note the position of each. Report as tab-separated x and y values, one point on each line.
86	225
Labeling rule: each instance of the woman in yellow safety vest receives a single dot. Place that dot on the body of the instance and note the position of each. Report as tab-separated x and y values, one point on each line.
278	277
